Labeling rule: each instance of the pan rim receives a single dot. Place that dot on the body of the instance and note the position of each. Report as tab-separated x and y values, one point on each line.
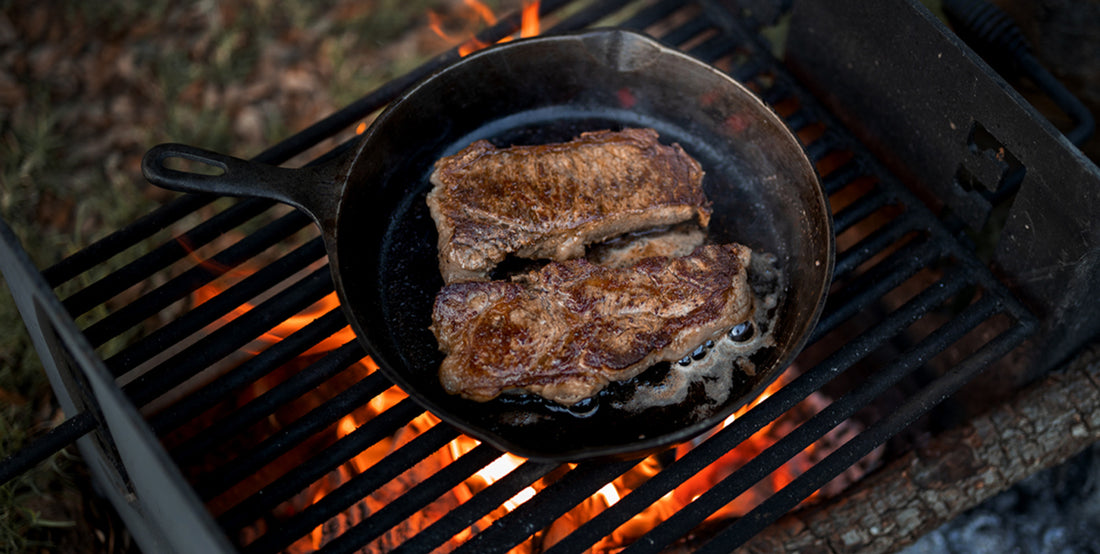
632	449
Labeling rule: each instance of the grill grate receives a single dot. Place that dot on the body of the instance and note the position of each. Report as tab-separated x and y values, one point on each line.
907	270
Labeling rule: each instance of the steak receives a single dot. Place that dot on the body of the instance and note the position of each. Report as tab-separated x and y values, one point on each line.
627	249
550	200
567	330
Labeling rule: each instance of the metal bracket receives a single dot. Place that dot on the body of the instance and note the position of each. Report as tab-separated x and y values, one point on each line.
946	123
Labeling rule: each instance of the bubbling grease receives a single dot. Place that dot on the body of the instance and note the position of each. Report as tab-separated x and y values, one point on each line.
713	363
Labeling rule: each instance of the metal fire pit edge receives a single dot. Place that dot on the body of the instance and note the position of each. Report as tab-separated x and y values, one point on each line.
943	120
148	491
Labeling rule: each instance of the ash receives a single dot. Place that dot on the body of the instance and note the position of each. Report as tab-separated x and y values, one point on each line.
1054	511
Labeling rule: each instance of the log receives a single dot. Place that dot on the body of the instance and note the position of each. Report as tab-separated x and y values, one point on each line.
1043	426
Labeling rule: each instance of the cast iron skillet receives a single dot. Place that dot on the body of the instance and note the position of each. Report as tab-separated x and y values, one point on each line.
381	241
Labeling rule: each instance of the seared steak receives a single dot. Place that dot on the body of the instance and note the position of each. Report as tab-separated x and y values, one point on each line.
567	330
627	249
550	200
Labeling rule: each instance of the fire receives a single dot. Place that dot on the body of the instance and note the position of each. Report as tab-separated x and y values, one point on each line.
285	328
476	14
605	497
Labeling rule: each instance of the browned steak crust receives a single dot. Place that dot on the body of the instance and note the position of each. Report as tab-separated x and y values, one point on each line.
568	329
550	200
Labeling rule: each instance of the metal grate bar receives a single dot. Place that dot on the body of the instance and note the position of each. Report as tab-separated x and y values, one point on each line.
326	461
343	497
749	70
248	372
900	266
115	243
860	209
229	338
874	243
180	286
546	506
161	257
776	92
745	426
476	508
217	481
652	14
726	490
589	14
46	445
713	48
826	144
799	119
215	308
917	405
687	31
906	260
413	500
842	176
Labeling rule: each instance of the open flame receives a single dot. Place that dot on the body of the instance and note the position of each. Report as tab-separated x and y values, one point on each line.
605	497
475	14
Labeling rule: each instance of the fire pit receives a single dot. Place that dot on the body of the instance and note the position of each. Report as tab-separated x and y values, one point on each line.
252	421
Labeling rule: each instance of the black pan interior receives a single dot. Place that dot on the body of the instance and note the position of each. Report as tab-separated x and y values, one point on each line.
550	89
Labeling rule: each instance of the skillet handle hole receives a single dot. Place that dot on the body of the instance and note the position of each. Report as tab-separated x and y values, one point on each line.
193	166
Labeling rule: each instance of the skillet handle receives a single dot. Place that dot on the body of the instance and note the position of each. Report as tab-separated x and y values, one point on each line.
313	190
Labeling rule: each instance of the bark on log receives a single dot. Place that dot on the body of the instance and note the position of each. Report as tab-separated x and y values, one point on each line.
1041	427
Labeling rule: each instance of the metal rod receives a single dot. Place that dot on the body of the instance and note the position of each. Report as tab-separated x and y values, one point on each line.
749	69
262	364
589	15
713	48
728	489
854	299
362	485
46	445
161	257
687	31
752	421
874	243
221	479
187	282
215	308
859	210
229	338
476	508
911	255
412	501
546	506
117	242
799	119
814	478
826	144
652	14
326	461
843	176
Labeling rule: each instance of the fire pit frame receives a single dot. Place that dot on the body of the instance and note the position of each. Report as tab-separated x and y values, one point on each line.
166	513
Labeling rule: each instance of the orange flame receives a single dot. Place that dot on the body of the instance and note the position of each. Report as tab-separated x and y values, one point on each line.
529	22
605	497
477	14
231	275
